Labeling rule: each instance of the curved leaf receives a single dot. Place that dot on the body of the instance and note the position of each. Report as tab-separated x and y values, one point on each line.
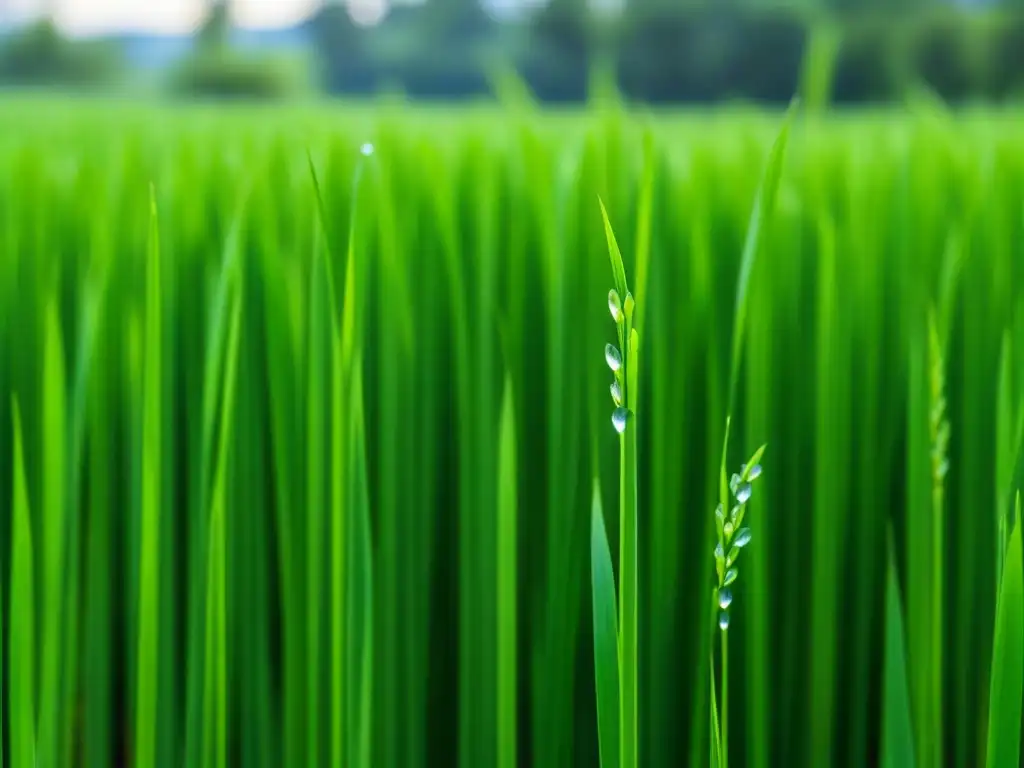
606	637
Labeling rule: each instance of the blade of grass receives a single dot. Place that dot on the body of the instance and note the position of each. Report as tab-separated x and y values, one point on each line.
283	366
215	700
320	325
506	577
54	536
716	731
100	595
149	543
831	438
93	301
1007	674
198	577
606	636
359	667
22	641
897	733
764	207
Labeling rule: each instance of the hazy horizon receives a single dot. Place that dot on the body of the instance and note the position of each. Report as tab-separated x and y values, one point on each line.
92	17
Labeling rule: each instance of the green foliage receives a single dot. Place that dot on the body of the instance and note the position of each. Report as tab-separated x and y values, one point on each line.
897	734
1007	686
606	637
39	55
369	335
224	73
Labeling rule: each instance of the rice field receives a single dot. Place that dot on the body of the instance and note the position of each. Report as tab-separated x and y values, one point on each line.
307	445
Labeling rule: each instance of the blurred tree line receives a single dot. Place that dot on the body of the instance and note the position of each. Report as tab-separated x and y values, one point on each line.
659	51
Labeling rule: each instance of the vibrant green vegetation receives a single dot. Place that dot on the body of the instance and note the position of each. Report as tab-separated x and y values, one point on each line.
317	467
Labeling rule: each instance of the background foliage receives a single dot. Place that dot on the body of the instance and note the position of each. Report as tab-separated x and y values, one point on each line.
657	52
211	400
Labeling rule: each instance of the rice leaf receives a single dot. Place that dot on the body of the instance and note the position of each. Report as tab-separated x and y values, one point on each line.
360	662
618	269
506	577
22	642
147	672
760	215
54	537
215	360
606	636
1006	690
215	662
897	733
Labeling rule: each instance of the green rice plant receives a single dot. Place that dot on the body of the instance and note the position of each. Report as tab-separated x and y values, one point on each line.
407	314
624	392
739	485
732	538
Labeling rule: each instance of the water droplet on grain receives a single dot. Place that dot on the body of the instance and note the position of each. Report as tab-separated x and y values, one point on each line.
724	598
730	576
734	514
743	537
723	621
734	483
754	473
619	418
612	357
743	493
366	149
719	514
617	392
615	305
719	552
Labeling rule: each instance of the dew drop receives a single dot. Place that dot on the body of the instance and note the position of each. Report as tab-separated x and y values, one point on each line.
612	357
723	621
734	483
619	418
754	472
615	305
730	576
743	537
719	514
724	598
617	392
743	493
734	514
366	149
719	552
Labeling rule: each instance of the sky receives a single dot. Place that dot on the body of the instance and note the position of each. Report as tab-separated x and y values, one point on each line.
87	17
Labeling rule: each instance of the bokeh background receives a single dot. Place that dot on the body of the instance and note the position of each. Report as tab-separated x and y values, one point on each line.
368	544
654	50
